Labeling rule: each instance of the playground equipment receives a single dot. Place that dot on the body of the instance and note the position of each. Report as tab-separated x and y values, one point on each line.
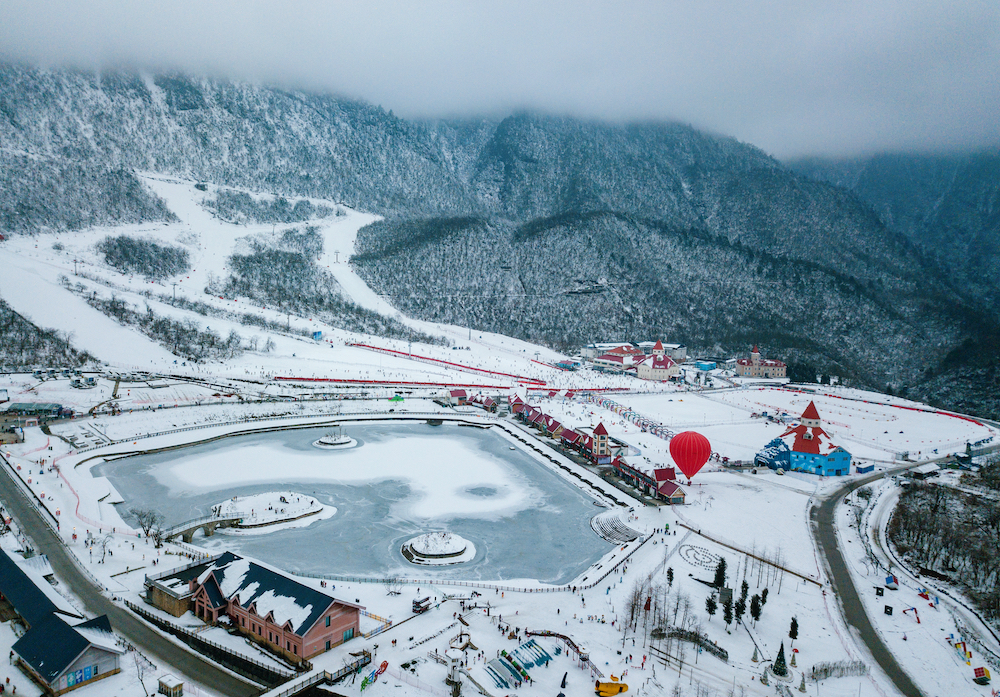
892	583
610	688
421	606
373	676
982	676
914	611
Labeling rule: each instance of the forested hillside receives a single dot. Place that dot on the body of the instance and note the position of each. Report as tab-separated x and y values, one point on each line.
553	229
947	205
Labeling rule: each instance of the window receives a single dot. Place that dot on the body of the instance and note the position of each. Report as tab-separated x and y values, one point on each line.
97	669
327	620
288	644
244	621
295	650
349	634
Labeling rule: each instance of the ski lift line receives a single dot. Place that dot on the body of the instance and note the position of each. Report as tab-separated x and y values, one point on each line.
391	383
450	364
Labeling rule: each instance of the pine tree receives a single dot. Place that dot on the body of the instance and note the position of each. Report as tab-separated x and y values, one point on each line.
727	612
740	608
793	631
720	574
744	589
780	668
763	597
755	608
711	606
670	576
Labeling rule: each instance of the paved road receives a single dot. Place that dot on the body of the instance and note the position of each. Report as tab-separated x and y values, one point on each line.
824	531
168	656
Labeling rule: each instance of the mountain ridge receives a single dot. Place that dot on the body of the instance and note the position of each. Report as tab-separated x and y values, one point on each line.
697	238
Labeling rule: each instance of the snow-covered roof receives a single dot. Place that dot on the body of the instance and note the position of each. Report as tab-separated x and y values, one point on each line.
808	436
569	435
770	362
268	591
659	362
669	488
169	681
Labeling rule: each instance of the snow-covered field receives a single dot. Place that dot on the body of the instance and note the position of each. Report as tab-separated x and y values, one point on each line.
422	482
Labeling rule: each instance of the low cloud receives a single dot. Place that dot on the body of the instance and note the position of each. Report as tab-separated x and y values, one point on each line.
793	78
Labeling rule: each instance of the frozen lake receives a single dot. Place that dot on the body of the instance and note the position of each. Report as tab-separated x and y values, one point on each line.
403	480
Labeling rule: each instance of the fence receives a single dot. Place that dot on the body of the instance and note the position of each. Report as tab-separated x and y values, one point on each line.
385	624
477	584
36	502
244	665
572	645
321	676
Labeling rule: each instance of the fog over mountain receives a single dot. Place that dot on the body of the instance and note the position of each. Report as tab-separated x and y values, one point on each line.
792	78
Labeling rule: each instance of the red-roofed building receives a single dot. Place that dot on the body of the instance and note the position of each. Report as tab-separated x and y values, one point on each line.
551	426
598	445
757	367
569	436
620	361
670	492
487	403
458	398
657	367
659	484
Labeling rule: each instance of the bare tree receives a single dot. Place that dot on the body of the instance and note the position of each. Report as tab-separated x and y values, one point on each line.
393	586
147	518
105	543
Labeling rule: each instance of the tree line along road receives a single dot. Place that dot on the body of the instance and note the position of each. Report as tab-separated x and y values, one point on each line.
158	647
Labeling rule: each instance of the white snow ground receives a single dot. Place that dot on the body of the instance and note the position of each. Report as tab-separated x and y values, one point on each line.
735	513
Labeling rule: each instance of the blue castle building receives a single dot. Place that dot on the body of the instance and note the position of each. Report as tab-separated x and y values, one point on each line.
806	447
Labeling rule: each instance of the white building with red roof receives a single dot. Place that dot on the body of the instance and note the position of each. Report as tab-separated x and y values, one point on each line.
757	367
657	367
627	360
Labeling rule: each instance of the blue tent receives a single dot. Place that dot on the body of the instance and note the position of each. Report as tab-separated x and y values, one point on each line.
774	455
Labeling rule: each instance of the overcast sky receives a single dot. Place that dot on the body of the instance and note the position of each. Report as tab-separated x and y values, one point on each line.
795	77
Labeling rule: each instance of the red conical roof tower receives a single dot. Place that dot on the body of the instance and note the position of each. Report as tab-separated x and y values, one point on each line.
600	430
810	417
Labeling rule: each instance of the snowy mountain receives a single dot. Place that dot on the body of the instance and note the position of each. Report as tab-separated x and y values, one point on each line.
547	228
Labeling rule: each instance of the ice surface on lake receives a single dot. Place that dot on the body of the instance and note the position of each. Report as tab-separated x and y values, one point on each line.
404	480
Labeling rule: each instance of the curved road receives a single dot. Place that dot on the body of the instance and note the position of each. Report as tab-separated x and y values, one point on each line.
825	534
159	648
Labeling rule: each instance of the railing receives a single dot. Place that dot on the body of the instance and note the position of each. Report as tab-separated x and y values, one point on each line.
571	644
198	522
37	502
244	665
178	569
476	584
386	623
321	676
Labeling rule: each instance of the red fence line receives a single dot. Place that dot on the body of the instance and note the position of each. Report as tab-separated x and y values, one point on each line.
450	364
388	383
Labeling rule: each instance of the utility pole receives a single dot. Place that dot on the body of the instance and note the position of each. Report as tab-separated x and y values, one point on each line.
74	268
174	284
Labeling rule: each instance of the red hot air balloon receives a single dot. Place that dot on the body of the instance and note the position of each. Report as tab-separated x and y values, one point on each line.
690	451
